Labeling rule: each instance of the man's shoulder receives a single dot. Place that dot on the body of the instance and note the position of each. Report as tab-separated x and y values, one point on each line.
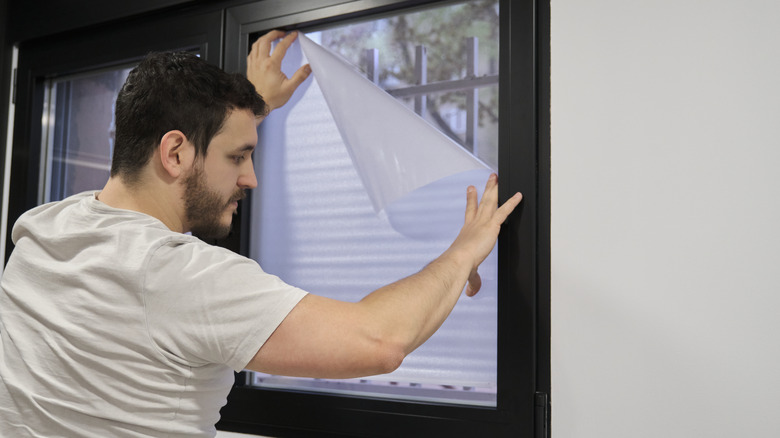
57	206
83	209
191	253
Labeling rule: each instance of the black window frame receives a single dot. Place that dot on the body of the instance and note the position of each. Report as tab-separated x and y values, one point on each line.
523	352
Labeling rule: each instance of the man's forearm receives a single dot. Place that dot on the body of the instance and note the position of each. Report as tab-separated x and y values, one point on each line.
410	310
328	338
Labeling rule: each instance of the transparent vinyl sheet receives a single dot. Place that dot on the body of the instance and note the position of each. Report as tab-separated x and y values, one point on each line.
394	150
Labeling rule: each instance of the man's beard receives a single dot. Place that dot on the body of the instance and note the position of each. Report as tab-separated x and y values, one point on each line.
204	208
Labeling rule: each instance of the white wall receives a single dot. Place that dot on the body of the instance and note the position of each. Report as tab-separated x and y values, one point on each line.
665	218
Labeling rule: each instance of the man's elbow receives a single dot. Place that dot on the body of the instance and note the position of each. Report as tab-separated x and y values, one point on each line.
390	357
378	355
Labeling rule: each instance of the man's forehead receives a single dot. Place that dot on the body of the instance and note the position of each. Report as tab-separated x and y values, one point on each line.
239	130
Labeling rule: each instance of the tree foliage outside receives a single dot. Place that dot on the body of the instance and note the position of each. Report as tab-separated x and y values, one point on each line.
443	31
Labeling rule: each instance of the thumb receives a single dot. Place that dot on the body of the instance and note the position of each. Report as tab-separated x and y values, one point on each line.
300	75
474	285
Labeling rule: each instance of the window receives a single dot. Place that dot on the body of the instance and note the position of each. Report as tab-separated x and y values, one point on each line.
61	141
310	192
78	137
314	223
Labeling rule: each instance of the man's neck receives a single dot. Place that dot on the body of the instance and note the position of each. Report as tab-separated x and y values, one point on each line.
159	202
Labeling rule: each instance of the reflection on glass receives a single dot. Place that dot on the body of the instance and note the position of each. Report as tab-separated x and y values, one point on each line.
314	223
79	133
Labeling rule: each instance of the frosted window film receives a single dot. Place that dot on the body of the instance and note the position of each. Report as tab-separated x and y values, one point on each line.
315	224
394	150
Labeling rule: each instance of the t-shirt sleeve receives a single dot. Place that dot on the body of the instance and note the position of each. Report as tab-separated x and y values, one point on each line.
206	304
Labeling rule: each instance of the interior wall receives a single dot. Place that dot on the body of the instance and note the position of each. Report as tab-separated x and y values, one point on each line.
665	218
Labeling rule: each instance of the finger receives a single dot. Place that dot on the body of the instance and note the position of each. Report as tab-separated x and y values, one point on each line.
300	75
474	285
283	45
503	212
489	196
471	203
262	47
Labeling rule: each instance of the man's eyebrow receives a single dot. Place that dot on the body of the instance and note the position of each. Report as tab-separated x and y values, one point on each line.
246	148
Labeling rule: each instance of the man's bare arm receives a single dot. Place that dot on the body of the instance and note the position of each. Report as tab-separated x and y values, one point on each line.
327	338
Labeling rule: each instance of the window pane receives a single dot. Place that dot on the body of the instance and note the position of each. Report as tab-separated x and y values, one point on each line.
78	139
443	31
315	226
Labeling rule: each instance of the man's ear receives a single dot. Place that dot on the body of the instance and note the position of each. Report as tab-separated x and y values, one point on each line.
176	153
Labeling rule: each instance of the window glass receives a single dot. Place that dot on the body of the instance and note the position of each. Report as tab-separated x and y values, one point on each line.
314	224
79	133
444	32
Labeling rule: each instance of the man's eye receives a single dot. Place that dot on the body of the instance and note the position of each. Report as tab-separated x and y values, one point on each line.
238	159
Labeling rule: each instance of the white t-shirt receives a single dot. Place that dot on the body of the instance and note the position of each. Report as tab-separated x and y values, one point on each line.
112	325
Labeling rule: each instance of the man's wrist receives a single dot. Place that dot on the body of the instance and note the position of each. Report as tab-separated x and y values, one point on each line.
460	258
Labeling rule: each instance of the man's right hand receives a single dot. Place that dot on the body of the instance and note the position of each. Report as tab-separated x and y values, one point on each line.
480	230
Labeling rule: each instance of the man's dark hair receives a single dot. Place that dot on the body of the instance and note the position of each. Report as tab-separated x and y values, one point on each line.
174	91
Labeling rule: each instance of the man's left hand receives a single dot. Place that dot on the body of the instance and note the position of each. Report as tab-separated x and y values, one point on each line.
264	69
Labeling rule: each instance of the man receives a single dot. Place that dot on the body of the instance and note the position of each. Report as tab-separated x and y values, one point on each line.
116	323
